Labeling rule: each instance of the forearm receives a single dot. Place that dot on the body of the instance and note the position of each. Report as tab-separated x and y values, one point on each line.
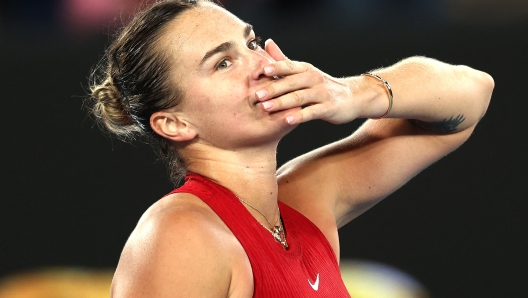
437	96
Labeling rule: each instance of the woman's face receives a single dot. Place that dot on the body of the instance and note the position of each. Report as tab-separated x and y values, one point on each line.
218	64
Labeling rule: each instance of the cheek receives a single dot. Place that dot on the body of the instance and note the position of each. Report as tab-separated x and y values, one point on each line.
200	95
227	94
210	106
235	85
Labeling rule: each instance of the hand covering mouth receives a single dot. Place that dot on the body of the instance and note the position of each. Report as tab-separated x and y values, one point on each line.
256	102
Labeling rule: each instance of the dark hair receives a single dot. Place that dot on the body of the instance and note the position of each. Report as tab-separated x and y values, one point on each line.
132	81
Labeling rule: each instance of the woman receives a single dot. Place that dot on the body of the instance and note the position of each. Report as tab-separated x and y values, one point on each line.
193	77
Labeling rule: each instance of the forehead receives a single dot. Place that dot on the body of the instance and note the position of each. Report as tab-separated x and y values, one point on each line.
198	30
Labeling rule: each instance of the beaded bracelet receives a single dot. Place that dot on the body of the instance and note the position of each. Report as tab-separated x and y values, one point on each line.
388	86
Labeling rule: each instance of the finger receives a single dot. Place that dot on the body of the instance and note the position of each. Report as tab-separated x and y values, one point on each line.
288	84
274	51
286	67
307	114
290	100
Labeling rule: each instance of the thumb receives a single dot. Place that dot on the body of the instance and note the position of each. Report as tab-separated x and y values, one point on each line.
274	51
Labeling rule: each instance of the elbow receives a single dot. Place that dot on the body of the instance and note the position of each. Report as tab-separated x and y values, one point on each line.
487	84
488	80
480	88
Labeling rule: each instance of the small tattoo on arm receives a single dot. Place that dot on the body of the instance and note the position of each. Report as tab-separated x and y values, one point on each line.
445	126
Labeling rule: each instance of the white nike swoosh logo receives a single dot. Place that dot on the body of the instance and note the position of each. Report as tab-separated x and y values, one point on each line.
315	285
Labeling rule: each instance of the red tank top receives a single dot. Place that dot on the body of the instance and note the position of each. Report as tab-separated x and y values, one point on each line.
307	269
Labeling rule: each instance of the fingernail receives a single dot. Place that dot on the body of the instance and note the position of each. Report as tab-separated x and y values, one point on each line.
261	93
268	69
290	119
267	105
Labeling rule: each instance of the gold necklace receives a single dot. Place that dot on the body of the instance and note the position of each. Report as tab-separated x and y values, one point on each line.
276	231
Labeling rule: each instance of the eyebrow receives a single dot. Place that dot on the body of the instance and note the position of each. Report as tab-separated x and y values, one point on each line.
226	46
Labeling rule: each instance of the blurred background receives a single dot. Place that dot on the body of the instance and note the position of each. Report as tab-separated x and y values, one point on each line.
70	195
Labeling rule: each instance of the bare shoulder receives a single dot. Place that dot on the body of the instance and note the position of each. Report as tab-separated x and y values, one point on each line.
180	248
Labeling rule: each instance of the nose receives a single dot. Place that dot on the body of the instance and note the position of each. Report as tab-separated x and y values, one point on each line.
259	59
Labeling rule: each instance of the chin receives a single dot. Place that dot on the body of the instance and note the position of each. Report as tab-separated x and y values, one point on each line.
270	136
282	130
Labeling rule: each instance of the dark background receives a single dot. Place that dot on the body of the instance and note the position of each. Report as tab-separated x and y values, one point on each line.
70	195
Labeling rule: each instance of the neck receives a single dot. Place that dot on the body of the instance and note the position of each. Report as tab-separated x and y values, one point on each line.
248	173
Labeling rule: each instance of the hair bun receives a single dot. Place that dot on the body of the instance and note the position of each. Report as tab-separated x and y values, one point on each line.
111	110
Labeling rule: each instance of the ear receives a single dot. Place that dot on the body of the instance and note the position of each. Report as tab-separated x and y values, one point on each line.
172	126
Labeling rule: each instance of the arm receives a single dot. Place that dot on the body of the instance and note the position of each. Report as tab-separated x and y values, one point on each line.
175	251
424	89
438	97
336	183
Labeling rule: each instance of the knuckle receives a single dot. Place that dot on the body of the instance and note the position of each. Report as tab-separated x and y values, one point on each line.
298	98
313	113
301	117
291	82
323	111
277	103
319	77
270	90
290	64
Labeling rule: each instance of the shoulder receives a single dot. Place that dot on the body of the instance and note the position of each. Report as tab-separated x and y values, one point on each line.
180	248
173	218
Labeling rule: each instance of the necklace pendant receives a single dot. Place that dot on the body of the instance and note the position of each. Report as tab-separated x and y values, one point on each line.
276	231
277	237
280	236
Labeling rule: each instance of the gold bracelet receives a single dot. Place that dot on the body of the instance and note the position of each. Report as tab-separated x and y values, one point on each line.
388	86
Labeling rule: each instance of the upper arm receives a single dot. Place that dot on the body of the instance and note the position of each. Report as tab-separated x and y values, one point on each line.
174	253
346	178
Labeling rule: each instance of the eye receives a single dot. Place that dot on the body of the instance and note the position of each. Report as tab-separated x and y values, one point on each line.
254	44
223	64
